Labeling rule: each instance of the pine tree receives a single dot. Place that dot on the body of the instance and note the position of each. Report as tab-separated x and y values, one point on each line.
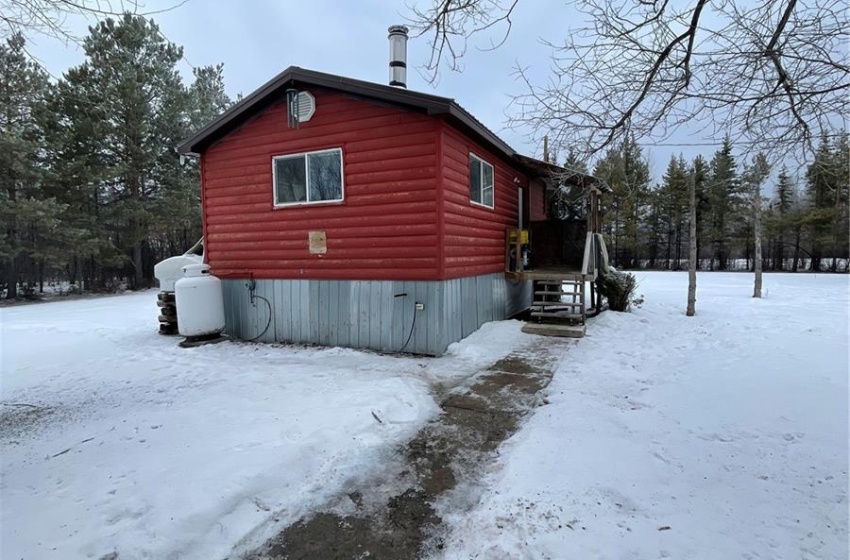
90	184
840	163
574	162
824	193
724	198
627	173
29	219
129	93
779	222
693	263
77	170
656	223
181	208
674	190
207	96
700	171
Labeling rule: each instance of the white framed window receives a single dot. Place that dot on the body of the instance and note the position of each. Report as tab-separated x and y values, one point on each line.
308	178
480	181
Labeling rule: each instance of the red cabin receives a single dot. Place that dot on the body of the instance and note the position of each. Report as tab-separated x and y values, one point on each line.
343	212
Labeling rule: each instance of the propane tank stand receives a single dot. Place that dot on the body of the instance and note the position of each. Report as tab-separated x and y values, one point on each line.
194	341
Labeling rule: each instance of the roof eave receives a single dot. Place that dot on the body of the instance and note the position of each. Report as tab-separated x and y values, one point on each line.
472	123
548	170
190	145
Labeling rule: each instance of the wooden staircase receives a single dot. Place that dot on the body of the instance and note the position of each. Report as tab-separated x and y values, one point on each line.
560	300
559	304
558	307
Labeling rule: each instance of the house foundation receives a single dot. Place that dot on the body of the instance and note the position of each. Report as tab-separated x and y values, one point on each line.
419	317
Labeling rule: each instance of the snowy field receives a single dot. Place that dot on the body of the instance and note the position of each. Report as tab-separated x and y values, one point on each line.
724	435
718	436
116	440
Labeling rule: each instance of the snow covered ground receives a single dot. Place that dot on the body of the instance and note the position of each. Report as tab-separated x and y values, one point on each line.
116	440
718	436
724	435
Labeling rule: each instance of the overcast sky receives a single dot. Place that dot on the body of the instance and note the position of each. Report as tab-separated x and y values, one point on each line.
256	39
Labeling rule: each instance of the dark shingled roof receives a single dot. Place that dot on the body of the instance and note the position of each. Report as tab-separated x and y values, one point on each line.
293	77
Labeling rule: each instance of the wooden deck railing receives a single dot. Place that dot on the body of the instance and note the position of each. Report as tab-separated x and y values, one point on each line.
588	263
594	250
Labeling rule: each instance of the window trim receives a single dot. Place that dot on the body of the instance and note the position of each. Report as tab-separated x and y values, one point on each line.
481	190
339	200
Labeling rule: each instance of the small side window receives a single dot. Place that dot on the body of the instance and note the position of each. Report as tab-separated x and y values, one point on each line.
480	181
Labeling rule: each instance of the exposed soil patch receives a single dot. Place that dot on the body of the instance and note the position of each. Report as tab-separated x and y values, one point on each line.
388	524
17	419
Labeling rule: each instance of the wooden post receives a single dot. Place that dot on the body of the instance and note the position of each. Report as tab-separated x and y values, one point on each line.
521	207
508	250
583	302
593	301
595	209
519	266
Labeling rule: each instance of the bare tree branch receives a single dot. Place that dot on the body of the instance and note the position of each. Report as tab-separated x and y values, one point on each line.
449	23
772	74
50	17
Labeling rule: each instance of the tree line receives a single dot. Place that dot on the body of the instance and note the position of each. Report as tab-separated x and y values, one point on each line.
804	219
91	188
93	193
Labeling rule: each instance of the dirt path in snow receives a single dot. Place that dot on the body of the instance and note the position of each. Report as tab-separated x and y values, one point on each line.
380	520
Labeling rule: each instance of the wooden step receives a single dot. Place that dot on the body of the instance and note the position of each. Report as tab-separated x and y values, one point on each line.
554	293
557	282
558	303
554	329
557	315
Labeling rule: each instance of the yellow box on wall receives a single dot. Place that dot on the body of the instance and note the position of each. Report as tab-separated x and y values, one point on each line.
523	236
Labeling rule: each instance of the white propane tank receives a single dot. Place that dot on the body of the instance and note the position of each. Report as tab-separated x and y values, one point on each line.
200	305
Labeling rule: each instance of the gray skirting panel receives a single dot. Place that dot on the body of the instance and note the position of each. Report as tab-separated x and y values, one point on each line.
376	314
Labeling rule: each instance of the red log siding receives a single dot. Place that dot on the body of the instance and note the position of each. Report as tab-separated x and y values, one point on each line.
385	229
537	201
474	236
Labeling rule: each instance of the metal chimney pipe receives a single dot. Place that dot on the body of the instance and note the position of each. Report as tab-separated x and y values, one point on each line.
398	55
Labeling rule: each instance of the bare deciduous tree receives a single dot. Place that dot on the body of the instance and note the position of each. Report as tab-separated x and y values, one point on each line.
449	23
50	17
757	262
772	73
755	175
